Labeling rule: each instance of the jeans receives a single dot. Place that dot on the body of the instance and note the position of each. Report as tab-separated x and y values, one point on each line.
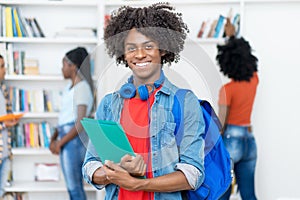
4	171
241	146
71	159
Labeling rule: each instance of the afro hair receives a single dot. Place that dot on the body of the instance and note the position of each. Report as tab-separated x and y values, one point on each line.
236	60
157	21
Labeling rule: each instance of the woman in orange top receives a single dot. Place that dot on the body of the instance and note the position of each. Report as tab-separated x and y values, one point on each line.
236	99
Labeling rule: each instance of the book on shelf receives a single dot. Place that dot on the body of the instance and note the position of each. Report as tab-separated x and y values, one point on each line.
39	101
31	135
8	22
86	32
3	22
16	61
38	27
202	28
207	28
17	24
212	28
219	29
31	66
3	52
15	196
10	58
21	23
24	25
33	27
215	28
14	24
236	23
47	172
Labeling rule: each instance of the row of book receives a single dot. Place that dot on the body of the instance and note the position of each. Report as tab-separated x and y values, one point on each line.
16	62
216	28
15	196
31	135
13	24
34	100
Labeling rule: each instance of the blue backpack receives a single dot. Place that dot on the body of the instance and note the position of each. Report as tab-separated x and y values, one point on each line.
216	161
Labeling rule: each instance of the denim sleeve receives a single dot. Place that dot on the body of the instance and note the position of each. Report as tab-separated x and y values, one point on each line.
191	173
192	144
103	108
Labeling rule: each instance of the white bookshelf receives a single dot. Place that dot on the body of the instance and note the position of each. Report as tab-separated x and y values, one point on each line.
30	151
53	17
34	78
50	49
50	3
43	115
58	40
173	2
40	186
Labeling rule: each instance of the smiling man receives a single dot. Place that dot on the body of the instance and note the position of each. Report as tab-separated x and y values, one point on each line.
144	39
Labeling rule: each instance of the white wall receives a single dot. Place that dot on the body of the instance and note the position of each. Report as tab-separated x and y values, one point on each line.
273	30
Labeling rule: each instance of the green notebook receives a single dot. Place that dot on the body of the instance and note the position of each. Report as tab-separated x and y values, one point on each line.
108	138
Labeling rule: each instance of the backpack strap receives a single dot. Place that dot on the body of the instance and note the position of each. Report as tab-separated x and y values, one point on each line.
178	112
212	123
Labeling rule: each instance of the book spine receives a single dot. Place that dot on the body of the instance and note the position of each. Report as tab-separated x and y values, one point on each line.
14	26
8	22
17	24
219	26
41	33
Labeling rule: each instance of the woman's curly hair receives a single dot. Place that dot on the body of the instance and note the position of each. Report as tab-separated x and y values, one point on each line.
157	22
236	60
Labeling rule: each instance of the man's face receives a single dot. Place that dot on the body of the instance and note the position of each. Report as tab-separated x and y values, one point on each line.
2	69
143	57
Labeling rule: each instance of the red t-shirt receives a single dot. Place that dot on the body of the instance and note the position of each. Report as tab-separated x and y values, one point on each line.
239	96
135	122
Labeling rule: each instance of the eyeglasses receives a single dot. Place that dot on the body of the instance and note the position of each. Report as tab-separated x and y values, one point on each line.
133	48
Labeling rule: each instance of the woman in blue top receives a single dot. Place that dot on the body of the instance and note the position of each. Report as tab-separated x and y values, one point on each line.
69	137
144	39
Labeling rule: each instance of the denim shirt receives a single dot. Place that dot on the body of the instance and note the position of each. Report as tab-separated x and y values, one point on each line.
166	155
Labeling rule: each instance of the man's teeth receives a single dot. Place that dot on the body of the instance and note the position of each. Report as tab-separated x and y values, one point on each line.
142	64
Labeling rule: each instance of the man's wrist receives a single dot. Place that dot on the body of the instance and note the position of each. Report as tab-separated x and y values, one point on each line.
141	184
